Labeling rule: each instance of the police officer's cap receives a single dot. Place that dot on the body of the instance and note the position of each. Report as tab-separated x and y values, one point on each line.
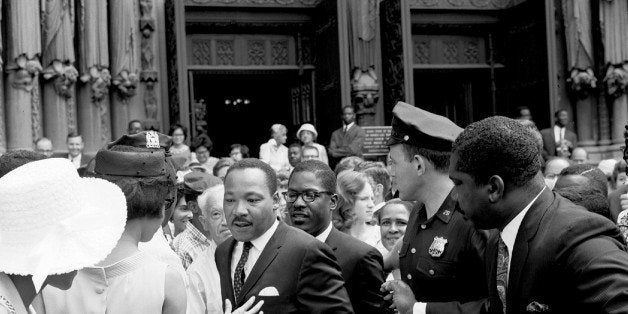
417	127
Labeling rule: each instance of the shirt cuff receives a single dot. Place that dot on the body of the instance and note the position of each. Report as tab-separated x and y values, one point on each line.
419	308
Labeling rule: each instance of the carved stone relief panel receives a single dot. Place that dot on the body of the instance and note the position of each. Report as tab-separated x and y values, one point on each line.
201	52
279	52
225	52
246	50
463	4
256	52
444	49
255	3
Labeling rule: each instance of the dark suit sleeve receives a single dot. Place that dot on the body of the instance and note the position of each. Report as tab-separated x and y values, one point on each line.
371	277
321	288
358	143
333	145
599	267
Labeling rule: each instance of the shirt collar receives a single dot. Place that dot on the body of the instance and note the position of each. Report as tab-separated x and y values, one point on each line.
348	126
195	233
273	142
556	126
261	241
509	234
77	156
325	234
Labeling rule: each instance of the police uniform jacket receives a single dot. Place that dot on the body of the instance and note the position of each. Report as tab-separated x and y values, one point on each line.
441	258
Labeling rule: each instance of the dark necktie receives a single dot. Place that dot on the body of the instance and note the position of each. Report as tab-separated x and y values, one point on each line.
502	271
238	276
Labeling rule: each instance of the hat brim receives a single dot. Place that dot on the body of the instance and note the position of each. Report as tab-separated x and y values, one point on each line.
82	240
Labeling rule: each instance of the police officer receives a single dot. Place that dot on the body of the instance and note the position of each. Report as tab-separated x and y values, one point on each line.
440	257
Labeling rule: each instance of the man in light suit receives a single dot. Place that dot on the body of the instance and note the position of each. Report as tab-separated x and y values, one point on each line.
548	255
288	269
557	140
310	200
347	140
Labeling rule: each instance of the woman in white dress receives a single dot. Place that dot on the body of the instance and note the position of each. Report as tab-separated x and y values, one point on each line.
307	134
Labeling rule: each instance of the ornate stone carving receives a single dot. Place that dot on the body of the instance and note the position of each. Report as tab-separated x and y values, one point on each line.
201	52
26	70
124	46
472	52
582	82
279	52
392	53
422	52
256	52
148	75
616	79
450	52
225	52
365	92
63	75
99	81
293	3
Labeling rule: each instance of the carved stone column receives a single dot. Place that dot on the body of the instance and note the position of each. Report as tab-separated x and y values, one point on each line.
578	35
3	138
124	45
93	92
148	76
59	72
614	22
23	68
365	61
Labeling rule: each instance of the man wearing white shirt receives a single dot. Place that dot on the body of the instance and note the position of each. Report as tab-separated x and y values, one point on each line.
289	270
310	200
548	254
274	152
558	141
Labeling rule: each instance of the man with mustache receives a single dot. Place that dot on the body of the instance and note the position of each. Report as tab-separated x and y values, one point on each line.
310	201
288	269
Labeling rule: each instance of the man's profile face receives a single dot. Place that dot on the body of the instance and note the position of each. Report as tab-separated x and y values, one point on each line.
248	204
403	173
311	217
75	145
134	128
472	198
348	115
309	154
44	147
294	155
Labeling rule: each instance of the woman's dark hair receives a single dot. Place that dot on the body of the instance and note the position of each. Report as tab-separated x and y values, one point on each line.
145	196
222	163
202	140
176	126
244	150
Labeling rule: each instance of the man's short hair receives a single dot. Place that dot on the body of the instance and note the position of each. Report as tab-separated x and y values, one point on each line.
42	139
557	112
348	106
311	148
535	131
588	197
297	145
395	201
144	195
595	175
202	140
254	163
209	197
498	146
377	172
17	158
278	128
73	135
439	159
134	121
321	170
244	150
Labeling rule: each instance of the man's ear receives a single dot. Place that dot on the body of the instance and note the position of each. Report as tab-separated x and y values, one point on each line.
379	189
419	162
276	198
495	189
334	201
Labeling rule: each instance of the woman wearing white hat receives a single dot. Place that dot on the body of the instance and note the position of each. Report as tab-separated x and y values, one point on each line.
307	134
53	224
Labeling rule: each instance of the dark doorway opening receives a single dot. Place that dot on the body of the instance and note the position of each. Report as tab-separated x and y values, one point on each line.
462	95
241	106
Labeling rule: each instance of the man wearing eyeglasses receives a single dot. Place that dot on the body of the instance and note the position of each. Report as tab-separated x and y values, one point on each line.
310	200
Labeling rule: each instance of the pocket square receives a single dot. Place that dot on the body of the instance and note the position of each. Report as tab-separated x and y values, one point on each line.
537	307
269	292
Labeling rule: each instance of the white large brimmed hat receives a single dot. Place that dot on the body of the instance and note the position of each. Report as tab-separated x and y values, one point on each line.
54	222
307	127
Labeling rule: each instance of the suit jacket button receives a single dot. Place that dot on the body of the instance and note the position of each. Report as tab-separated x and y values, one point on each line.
413	250
423	226
409	277
431	271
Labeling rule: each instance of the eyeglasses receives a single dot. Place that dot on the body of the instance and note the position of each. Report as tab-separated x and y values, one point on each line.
308	196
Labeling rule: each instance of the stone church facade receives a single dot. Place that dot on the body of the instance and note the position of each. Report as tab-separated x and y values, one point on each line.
231	68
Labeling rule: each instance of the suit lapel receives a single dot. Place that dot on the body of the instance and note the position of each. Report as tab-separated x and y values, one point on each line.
331	240
223	263
527	231
268	255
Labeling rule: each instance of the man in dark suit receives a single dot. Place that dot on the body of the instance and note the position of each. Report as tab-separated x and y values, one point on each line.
557	140
310	200
547	255
288	269
347	140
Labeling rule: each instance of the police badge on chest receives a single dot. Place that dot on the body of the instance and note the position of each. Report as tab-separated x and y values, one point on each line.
438	246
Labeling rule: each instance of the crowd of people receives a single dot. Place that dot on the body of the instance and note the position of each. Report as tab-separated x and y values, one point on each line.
497	217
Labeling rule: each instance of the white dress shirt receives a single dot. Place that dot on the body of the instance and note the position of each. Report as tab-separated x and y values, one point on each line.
325	234
256	250
346	127
508	235
559	133
76	160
